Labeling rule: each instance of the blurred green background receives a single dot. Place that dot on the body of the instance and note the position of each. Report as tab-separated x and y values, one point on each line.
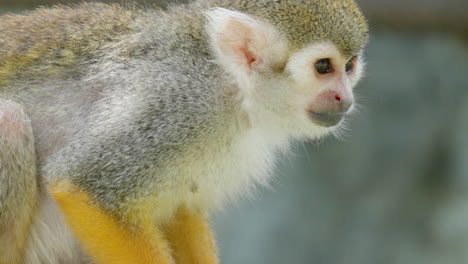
395	189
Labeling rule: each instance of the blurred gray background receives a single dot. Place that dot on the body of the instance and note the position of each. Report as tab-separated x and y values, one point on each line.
395	189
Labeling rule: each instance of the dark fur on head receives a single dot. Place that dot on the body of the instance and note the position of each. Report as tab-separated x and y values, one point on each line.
306	21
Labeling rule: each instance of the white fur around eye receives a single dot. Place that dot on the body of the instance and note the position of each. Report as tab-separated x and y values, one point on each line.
301	63
358	71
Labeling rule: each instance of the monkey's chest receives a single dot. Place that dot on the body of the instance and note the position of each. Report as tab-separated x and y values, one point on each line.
224	174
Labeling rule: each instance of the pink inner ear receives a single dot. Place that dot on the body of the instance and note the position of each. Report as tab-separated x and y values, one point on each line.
239	42
249	57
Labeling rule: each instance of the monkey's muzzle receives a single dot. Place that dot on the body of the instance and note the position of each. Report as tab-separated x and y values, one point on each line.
326	119
329	108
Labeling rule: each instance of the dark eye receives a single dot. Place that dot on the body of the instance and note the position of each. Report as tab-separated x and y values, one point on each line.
323	66
350	64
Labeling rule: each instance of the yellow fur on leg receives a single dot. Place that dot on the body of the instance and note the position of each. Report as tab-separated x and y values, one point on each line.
191	239
104	239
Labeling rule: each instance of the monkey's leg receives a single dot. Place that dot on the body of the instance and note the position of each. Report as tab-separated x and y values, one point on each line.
103	237
18	182
191	238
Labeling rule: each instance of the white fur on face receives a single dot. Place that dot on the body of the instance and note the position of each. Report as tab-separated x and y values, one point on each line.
301	66
309	84
245	45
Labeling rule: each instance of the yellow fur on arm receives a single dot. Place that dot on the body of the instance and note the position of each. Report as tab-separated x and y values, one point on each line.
103	238
191	239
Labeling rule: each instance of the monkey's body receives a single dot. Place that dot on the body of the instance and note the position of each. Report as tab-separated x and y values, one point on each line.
140	129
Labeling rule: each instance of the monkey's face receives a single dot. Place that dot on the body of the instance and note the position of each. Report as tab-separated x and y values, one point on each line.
299	93
309	96
323	79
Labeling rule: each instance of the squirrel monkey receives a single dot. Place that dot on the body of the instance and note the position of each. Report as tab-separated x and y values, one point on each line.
122	128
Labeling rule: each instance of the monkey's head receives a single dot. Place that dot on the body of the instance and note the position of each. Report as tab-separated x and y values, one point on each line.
295	62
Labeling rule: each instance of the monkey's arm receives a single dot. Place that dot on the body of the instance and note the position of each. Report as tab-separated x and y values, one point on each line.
18	182
105	239
191	238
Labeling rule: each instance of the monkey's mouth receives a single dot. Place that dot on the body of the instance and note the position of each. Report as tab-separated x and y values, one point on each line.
326	119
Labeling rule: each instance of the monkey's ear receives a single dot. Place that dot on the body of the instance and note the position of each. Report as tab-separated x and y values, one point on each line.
241	42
